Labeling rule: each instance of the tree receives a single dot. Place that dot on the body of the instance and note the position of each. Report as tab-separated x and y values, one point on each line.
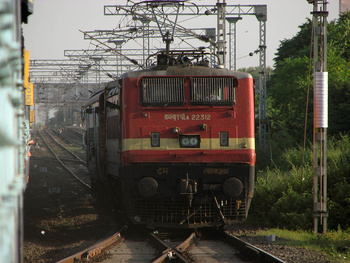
339	35
298	46
287	96
287	88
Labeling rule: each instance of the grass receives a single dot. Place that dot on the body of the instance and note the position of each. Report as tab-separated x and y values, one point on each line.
335	243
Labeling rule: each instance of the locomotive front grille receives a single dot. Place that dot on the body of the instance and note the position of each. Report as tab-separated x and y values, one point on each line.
180	213
162	90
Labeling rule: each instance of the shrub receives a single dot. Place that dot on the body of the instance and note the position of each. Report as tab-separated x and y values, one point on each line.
284	195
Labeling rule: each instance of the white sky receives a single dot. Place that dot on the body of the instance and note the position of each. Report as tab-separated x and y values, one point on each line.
54	26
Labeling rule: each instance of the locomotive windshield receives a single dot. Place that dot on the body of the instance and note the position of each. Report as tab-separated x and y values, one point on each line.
203	91
216	91
163	91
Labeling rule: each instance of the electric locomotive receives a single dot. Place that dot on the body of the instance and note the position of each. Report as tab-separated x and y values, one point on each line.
174	144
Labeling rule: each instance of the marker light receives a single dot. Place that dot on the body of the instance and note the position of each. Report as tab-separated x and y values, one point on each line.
224	139
155	139
189	141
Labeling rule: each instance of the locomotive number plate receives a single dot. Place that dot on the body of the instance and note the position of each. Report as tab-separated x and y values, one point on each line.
184	117
201	117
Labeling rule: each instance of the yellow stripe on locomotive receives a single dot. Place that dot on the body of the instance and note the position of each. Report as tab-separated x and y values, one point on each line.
135	144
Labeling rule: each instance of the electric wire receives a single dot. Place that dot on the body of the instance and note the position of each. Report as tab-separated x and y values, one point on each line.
307	105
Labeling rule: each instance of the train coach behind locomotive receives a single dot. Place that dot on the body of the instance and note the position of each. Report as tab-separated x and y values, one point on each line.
174	144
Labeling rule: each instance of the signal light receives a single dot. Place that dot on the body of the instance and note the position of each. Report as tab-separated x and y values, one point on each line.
155	139
224	138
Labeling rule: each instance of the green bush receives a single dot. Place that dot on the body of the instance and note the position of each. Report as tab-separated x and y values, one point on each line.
283	199
284	193
294	211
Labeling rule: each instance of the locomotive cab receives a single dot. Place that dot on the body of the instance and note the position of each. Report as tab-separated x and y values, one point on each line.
188	145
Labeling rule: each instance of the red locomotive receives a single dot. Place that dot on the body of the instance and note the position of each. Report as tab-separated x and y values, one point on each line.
174	144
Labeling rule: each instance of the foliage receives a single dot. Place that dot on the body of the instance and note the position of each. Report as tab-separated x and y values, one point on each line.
58	120
339	35
283	195
284	189
288	85
339	91
338	161
287	93
298	46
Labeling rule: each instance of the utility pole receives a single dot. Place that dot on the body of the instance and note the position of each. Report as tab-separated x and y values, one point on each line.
119	61
145	39
320	97
261	16
233	41
221	32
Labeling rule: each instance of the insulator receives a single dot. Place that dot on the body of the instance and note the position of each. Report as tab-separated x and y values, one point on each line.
321	100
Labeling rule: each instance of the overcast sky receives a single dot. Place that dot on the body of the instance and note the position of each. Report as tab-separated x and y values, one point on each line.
54	26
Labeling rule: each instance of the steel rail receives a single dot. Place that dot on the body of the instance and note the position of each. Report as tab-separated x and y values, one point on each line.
176	253
252	252
58	159
173	252
82	161
94	250
249	251
76	134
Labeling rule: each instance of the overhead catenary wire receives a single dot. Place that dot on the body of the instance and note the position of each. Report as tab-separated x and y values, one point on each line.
111	48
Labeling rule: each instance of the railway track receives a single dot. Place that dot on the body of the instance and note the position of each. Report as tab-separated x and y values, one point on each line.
73	136
135	245
62	215
66	157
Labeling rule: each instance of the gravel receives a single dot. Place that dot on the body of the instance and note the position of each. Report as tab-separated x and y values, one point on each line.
59	216
290	254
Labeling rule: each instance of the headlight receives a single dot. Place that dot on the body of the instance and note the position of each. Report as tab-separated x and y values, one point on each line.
232	187
189	141
185	141
147	186
194	141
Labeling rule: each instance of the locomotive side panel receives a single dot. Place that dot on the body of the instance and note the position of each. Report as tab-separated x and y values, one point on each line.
113	136
92	141
95	139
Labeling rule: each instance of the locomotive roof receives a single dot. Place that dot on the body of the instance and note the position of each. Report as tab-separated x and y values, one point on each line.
112	87
186	71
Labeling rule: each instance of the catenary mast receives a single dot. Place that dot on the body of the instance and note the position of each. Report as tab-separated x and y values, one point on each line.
320	97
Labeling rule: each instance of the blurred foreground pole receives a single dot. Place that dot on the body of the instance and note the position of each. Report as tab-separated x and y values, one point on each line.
320	15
